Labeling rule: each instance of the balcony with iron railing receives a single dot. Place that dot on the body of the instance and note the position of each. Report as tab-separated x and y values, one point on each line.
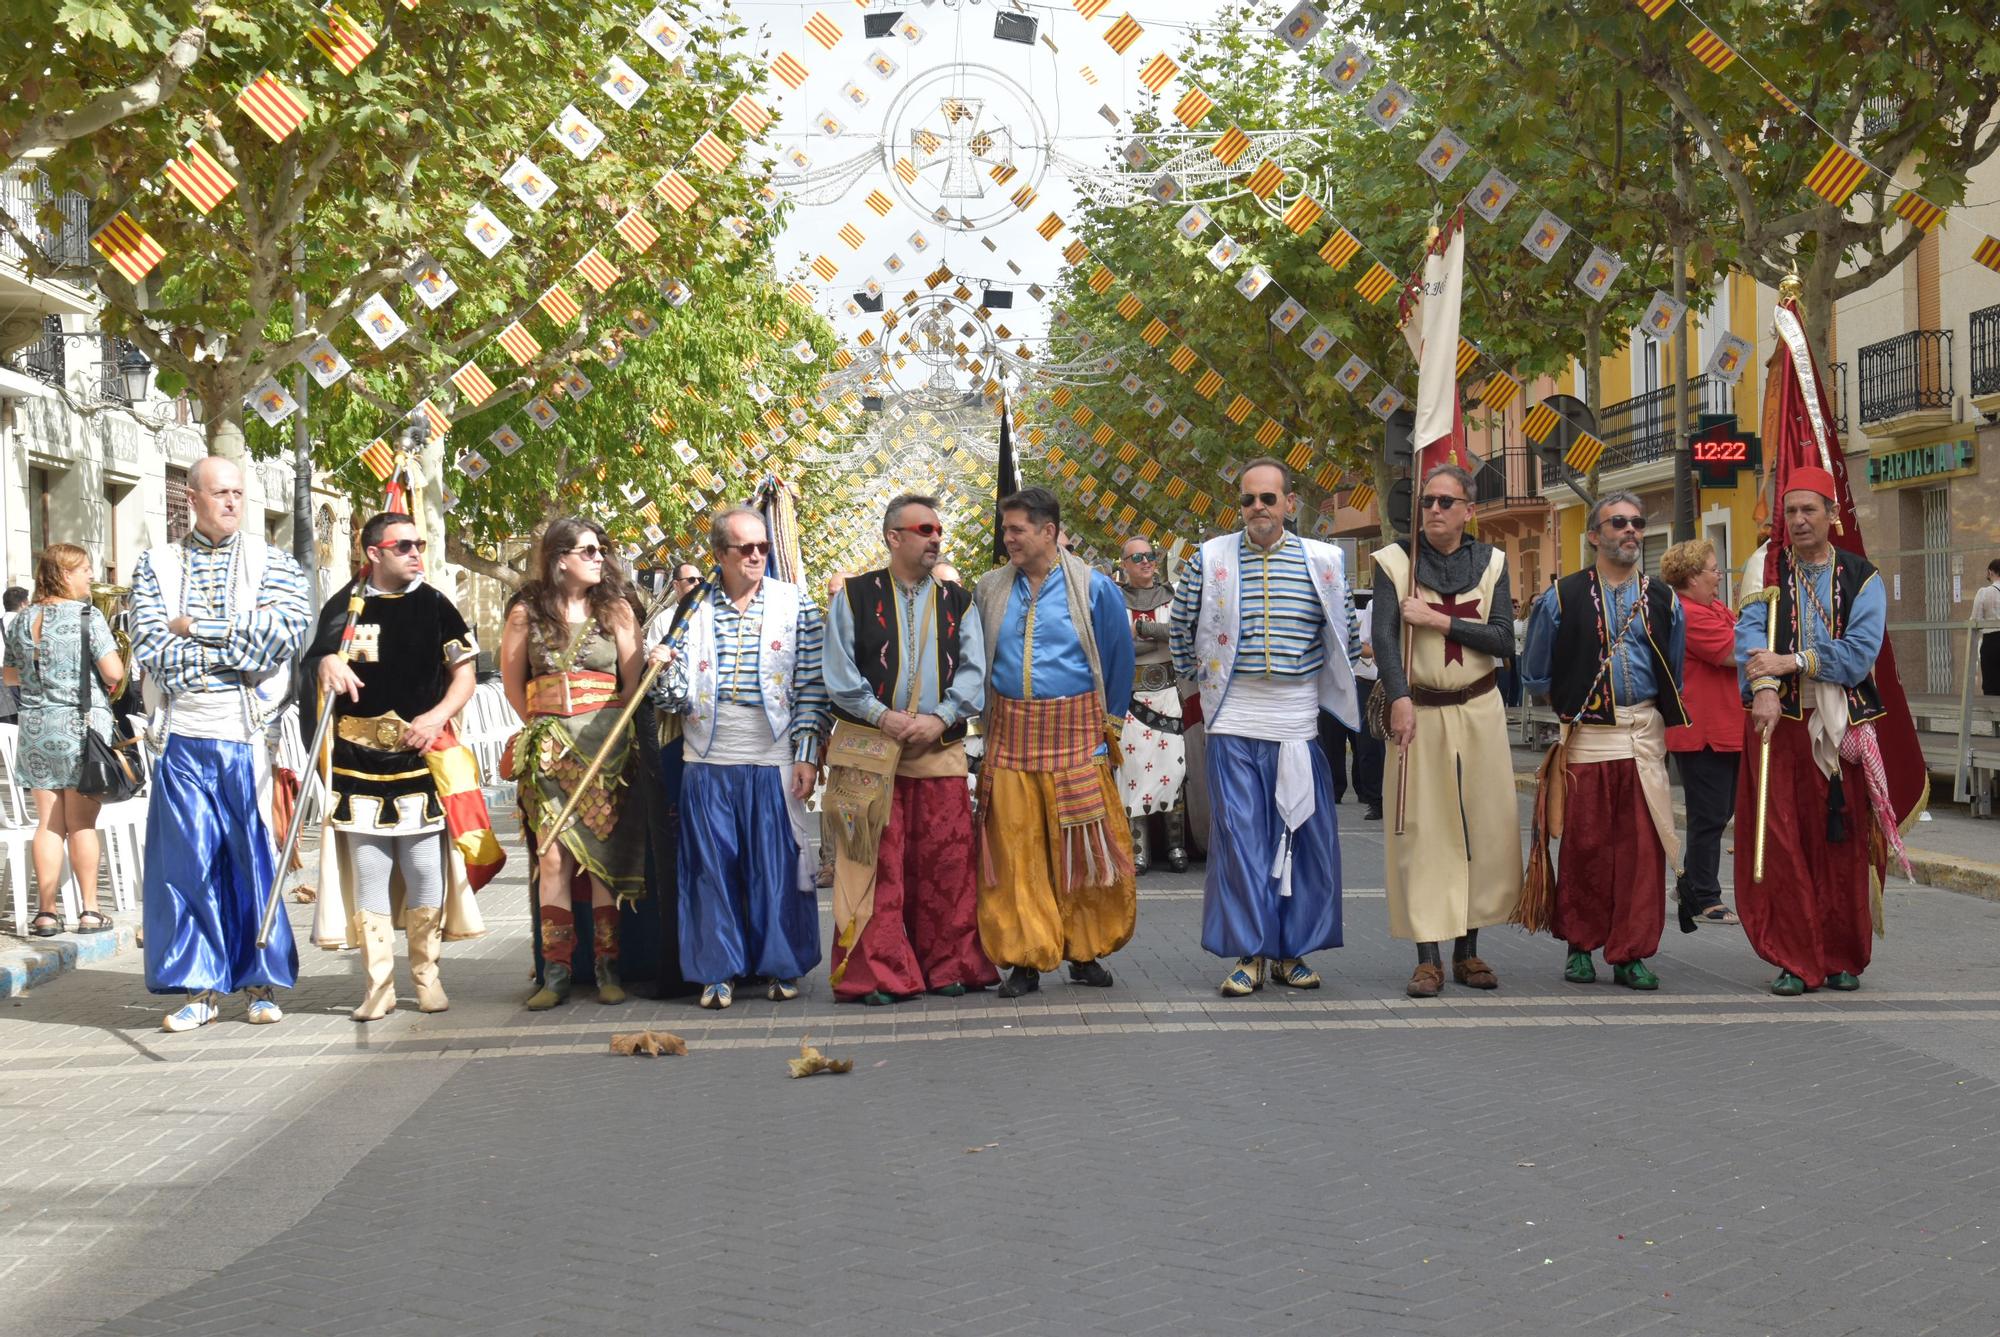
1906	383
1985	330
1640	430
43	359
59	226
1511	478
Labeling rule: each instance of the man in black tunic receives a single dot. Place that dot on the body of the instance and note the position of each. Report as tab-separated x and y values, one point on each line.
410	669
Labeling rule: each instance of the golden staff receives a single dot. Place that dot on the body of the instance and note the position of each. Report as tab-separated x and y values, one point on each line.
1768	596
624	720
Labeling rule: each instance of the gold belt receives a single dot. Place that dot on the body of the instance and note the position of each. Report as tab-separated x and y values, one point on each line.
379	733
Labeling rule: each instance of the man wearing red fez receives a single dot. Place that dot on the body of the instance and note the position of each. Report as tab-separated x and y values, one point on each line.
1812	693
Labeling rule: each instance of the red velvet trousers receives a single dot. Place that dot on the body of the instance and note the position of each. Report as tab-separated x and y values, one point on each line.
1611	870
1810	913
924	932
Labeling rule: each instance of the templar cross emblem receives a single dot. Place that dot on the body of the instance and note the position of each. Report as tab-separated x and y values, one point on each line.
963	146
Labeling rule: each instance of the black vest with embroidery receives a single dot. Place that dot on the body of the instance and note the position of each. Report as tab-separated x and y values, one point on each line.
1577	689
1850	573
878	638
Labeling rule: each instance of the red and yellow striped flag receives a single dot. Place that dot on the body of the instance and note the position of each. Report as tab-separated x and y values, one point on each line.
675	190
342	41
1654	9
1101	280
823	30
1917	211
1541	420
1120	35
474	384
1303	213
1271	433
1090	9
1076	253
1049	227
381	460
1468	354
1500	391
129	248
1341	247
825	268
790	73
1583	453
1155	331
1837	176
559	305
1328	477
1233	145
1239	408
1129	306
750	114
204	181
1376	284
455	771
520	345
1988	253
713	153
276	109
1300	457
1209	383
635	231
1780	98
880	203
852	235
1193	108
1711	50
1182	359
906	171
1361	498
596	270
1157	71
1024	197
1264	182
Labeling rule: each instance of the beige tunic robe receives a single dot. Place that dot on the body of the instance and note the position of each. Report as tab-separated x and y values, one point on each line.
1457	865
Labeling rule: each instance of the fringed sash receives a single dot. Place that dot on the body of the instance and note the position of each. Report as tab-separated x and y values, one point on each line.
1060	737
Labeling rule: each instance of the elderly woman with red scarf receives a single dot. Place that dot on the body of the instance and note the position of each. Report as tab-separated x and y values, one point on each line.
1707	748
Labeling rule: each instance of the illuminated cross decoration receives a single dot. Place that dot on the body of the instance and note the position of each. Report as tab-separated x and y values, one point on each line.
962	148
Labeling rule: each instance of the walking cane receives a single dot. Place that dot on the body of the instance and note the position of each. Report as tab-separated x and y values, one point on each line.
355	600
1768	596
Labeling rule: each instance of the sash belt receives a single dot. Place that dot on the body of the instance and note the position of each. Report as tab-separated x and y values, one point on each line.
1433	696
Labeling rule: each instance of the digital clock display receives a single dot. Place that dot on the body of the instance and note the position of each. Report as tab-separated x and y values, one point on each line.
1727	451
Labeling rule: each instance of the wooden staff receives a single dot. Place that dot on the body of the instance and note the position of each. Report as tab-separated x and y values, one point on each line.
1768	596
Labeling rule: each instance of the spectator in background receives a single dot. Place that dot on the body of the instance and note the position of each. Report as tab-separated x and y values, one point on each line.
686	576
1367	747
16	600
46	654
1985	608
1707	748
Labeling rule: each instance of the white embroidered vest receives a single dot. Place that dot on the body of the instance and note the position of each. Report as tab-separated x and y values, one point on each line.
776	655
1219	624
265	695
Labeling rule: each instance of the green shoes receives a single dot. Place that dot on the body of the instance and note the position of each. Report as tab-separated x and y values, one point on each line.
1580	970
556	979
1843	981
1635	975
1788	985
610	989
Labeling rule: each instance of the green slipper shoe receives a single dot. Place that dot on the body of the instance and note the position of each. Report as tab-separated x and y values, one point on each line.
1635	975
1580	970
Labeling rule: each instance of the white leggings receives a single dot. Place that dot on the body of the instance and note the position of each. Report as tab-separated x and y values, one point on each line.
376	857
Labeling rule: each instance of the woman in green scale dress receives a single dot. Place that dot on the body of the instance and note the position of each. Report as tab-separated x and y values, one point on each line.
568	657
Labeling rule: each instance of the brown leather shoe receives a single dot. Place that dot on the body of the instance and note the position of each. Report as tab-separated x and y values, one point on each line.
1426	980
1474	973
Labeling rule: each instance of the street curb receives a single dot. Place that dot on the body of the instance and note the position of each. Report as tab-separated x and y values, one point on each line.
23	968
1947	872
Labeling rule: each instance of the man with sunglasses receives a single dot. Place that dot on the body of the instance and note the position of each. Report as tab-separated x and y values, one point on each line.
388	859
1606	650
1443	619
1155	764
743	668
1055	854
906	668
1263	621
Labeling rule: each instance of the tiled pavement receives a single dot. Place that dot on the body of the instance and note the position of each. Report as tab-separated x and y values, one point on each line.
1708	1159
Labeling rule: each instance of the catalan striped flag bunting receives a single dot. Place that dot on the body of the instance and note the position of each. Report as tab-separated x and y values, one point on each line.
1780	98
129	248
1232	146
1341	247
596	270
1050	226
1376	284
852	235
1090	9
1361	498
1264	182
825	268
1917	211
1120	35
1501	390
1541	420
199	177
790	73
381	460
344	42
1988	253
1583	453
713	153
1468	353
675	190
1155	331
636	231
275	109
1182	359
474	384
1208	383
1711	50
1156	72
520	345
1193	108
1837	175
823	30
1303	213
1654	9
880	203
750	114
559	305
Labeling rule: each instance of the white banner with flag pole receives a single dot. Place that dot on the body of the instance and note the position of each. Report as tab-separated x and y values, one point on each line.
1430	311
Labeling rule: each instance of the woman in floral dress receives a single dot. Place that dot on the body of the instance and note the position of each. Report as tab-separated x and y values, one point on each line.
45	660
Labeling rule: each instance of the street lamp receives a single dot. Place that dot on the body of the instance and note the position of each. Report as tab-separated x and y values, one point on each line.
135	369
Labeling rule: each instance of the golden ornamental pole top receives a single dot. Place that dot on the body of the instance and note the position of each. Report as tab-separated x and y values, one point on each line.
1791	288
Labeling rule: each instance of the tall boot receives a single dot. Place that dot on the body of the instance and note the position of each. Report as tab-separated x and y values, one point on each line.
604	947
425	930
378	966
558	948
1174	819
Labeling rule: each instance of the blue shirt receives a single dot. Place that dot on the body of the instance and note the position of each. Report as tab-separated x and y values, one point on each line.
1054	666
1631	661
1847	659
1282	621
227	643
960	699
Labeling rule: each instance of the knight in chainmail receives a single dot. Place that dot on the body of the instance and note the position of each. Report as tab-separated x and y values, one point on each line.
1152	777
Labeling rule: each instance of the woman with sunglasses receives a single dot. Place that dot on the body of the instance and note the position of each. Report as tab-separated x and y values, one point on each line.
568	655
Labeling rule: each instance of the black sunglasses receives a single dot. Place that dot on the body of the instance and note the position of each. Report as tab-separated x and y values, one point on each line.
403	547
1249	499
924	531
1442	503
758	549
1141	556
1624	522
589	552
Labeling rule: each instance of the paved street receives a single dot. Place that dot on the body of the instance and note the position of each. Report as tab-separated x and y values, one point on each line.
1706	1160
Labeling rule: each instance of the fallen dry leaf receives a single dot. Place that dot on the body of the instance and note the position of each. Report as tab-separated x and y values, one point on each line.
650	1043
304	895
810	1061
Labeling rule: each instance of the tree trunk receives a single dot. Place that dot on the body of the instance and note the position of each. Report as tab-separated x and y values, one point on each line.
1384	480
1817	299
1684	489
225	429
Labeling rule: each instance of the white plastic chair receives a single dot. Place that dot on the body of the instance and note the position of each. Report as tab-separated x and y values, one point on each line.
17	835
